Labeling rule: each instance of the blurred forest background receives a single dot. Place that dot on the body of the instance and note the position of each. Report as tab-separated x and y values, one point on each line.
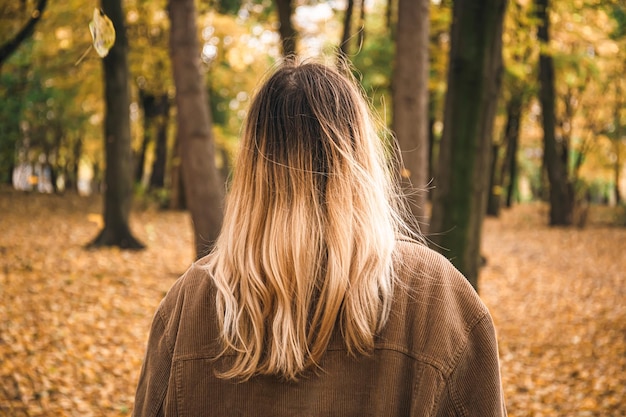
492	103
495	104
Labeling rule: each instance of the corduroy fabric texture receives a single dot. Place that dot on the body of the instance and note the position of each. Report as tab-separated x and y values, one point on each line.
436	356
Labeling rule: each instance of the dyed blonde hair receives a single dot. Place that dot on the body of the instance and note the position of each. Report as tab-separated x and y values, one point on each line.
310	226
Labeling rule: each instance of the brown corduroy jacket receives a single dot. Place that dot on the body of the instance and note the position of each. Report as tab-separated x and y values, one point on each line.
436	356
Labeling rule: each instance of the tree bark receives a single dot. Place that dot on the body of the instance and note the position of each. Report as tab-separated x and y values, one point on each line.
410	100
118	175
495	184
203	190
616	138
389	15
147	101
617	177
347	29
157	177
460	194
177	195
72	175
433	145
509	167
503	179
286	30
361	26
561	189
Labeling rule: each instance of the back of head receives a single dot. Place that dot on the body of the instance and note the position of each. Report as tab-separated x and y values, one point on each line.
310	226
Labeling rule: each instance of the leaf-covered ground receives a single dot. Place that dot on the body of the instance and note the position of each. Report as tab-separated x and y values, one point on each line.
558	297
73	322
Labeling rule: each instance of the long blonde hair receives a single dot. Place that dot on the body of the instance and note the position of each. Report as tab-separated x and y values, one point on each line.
310	226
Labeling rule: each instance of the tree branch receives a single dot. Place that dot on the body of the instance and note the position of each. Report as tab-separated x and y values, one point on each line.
11	46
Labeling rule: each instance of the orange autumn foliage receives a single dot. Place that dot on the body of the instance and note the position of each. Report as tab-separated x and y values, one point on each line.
74	323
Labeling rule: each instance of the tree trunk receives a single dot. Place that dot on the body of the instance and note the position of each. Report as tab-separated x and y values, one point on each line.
561	191
617	177
347	30
140	160
460	195
77	151
511	132
617	137
433	144
504	178
147	103
157	177
361	27
495	184
389	15
204	192
410	100
118	176
287	31
177	196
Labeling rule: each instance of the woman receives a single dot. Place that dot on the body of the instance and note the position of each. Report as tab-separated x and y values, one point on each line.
315	300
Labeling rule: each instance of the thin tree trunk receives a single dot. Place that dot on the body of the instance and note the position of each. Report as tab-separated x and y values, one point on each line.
77	150
140	160
389	15
118	175
616	139
147	103
286	30
433	140
203	189
617	176
561	192
157	177
509	167
347	30
460	195
503	178
494	199
361	29
432	161
410	100
55	169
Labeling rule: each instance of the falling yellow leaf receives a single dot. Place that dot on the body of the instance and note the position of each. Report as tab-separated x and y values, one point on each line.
102	32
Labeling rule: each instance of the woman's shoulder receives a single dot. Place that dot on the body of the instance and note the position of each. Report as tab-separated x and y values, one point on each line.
190	290
423	268
435	309
188	313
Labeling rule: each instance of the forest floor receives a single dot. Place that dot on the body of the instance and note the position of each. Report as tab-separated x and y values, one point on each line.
74	322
